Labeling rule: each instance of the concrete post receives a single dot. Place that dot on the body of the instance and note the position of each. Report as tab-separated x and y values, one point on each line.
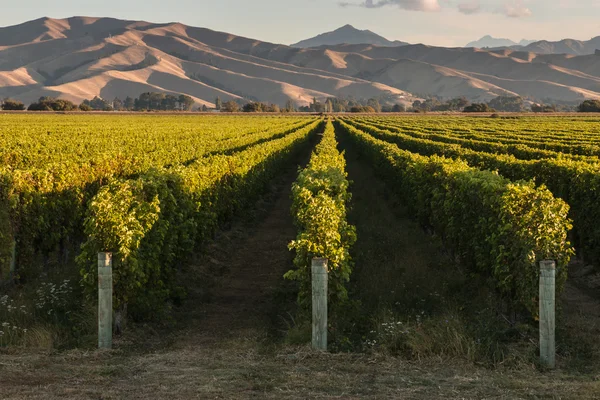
105	293
319	303
547	313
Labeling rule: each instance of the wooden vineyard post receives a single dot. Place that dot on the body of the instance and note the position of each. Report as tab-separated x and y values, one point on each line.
319	303
547	311
105	309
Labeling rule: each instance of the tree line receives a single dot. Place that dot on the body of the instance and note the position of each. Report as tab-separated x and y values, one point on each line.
156	101
149	101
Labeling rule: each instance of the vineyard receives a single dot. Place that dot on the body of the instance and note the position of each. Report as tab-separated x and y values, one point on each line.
151	190
433	227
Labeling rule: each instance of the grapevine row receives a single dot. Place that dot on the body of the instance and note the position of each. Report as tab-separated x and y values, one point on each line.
578	183
499	229
320	196
519	150
560	130
42	209
150	140
154	222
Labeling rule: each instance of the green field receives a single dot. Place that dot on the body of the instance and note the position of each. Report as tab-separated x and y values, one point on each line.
433	226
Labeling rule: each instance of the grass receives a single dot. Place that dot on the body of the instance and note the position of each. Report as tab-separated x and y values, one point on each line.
46	314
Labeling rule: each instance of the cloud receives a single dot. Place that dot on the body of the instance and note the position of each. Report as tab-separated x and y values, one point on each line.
469	7
412	5
516	9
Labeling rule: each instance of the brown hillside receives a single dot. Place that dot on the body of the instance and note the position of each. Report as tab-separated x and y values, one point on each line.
81	57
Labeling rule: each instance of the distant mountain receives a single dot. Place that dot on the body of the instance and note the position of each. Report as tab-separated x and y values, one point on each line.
82	57
348	34
565	46
492	42
525	42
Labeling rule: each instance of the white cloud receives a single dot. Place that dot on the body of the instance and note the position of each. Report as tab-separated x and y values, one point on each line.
413	5
516	9
469	7
508	8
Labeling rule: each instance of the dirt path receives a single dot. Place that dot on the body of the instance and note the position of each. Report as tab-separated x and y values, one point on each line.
253	257
394	257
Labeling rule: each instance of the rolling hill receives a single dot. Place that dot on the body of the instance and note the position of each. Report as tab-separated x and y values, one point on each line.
82	57
565	46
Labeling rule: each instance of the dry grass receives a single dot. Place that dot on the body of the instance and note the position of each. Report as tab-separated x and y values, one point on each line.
242	368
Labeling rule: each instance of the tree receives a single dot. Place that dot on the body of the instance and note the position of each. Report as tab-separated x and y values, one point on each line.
129	103
218	104
85	107
13	105
374	104
543	108
52	104
253	107
150	101
185	102
316	106
230	106
328	106
455	104
431	104
589	106
398	108
157	100
290	106
204	108
98	103
169	103
478	107
142	103
508	104
118	104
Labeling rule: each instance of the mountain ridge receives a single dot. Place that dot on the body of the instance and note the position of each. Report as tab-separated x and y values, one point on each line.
492	42
81	57
347	34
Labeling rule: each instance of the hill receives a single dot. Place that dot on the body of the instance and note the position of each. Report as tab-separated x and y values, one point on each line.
81	57
347	34
565	46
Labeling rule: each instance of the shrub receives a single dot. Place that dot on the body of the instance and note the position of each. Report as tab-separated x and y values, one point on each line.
589	106
52	104
478	107
13	105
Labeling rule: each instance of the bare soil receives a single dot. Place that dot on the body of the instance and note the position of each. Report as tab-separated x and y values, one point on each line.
225	342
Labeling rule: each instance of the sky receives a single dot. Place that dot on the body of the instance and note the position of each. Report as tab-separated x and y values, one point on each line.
435	22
